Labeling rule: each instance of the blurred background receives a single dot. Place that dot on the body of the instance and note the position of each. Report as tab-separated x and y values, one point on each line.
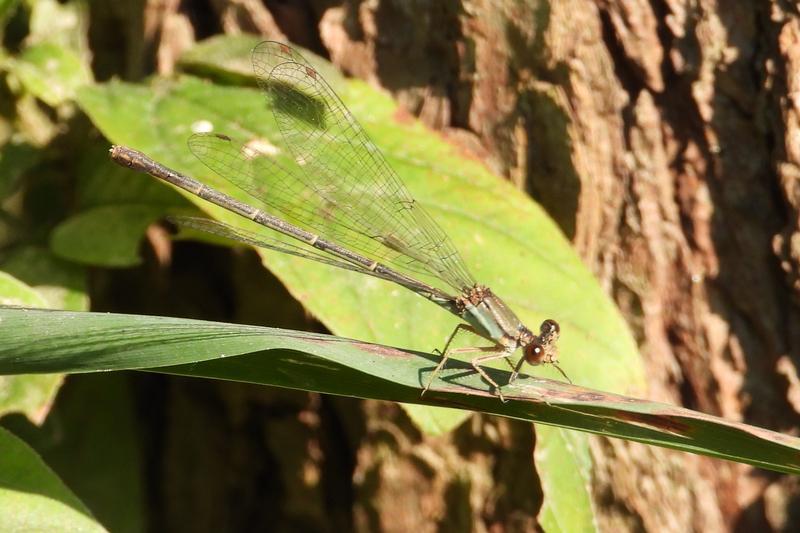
662	139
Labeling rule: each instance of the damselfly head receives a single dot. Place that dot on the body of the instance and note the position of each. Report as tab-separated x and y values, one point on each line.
542	349
538	352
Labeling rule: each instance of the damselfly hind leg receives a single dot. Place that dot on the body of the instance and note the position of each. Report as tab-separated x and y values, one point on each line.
497	353
493	352
445	353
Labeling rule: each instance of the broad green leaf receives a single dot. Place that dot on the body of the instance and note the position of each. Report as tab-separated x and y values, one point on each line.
88	342
566	453
222	57
435	420
32	498
105	236
94	450
15	292
28	394
61	283
101	184
226	58
50	72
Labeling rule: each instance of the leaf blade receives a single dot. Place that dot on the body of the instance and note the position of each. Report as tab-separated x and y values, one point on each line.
86	342
32	498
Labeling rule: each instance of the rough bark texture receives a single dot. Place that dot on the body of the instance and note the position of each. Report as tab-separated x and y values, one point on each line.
664	138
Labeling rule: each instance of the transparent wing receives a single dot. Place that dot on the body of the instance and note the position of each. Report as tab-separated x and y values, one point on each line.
342	163
269	54
336	182
233	233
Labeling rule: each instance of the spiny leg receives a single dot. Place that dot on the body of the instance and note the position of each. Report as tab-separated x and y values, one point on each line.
516	369
446	352
497	353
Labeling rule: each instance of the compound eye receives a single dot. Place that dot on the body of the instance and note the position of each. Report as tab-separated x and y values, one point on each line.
534	353
549	327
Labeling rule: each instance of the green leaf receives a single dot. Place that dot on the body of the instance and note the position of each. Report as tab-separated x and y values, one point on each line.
31	395
32	498
102	185
15	292
569	471
226	59
104	236
89	342
61	283
435	420
50	72
110	483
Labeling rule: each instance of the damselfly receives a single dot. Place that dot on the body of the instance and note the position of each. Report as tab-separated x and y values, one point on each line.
340	203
